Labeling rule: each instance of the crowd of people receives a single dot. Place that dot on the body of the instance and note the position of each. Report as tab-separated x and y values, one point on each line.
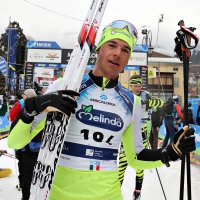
99	176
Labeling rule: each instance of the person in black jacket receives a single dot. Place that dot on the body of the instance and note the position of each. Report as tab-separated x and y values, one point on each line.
198	115
156	120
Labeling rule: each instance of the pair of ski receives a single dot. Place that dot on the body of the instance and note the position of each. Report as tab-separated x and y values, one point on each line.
57	123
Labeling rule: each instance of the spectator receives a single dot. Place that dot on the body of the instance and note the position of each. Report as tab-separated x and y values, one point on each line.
172	110
198	114
156	120
28	93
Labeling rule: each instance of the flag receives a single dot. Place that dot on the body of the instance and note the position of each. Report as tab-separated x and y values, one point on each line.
3	66
11	42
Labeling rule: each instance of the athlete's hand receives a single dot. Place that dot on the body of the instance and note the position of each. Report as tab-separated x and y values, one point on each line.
61	101
184	142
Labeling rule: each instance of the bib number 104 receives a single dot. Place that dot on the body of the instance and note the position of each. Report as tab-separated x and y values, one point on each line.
97	136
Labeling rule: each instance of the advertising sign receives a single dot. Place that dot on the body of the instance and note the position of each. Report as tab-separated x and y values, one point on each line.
51	65
140	48
132	68
44	56
3	66
138	59
66	53
42	45
29	71
152	73
44	72
45	83
144	74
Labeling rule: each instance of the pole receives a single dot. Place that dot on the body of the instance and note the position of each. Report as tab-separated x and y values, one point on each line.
157	36
8	53
158	79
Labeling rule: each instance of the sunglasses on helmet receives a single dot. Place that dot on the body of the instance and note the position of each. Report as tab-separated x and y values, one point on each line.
120	24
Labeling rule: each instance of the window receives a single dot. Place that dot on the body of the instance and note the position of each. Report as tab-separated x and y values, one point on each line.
163	95
176	82
162	78
175	69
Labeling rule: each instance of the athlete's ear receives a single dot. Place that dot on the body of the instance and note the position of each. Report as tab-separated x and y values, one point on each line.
97	52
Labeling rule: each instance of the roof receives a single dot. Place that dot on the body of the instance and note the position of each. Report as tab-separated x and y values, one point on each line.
159	55
164	60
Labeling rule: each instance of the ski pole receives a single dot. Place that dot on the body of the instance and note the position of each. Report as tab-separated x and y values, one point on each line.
161	184
184	36
4	153
149	146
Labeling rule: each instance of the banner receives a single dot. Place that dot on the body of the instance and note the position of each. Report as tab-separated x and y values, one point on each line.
162	133
4	123
44	55
144	74
29	71
66	53
140	48
3	66
44	72
138	59
42	45
11	42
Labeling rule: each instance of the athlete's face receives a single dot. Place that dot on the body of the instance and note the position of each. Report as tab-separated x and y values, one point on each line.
136	88
113	56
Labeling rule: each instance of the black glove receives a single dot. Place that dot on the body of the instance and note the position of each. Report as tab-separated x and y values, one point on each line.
184	142
38	88
61	101
6	97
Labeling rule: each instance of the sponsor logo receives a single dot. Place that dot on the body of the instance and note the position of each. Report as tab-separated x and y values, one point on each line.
45	44
103	102
45	84
101	6
102	39
98	118
83	86
120	32
52	65
124	97
41	65
95	162
103	97
36	56
46	73
144	68
89	152
52	56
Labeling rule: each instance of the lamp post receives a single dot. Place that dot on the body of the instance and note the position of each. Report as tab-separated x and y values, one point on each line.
159	20
148	39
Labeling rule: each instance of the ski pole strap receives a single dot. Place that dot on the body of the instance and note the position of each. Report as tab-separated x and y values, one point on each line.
182	35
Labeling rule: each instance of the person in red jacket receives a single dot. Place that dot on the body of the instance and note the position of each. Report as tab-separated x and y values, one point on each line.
20	104
28	93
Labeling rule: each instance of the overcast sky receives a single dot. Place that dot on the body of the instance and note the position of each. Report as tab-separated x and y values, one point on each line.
44	25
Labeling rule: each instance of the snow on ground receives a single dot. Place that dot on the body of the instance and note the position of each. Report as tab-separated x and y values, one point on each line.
170	178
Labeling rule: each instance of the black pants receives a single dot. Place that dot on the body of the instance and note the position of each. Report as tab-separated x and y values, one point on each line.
19	156
29	160
153	139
